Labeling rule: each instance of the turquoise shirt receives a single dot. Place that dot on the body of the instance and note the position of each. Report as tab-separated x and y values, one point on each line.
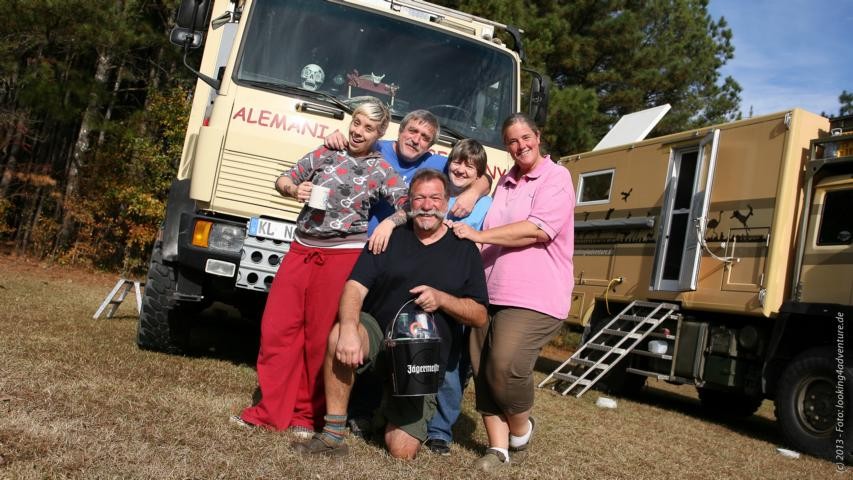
478	214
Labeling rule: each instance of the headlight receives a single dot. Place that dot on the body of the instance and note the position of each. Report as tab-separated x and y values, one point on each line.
218	236
228	238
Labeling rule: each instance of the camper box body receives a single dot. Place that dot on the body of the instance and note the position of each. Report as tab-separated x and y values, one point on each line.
721	257
706	218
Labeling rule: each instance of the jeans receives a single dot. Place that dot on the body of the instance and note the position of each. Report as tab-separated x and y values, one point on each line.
449	396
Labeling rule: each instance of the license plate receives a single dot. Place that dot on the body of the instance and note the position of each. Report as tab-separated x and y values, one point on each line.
274	229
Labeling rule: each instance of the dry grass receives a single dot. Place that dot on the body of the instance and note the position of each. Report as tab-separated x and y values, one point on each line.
79	400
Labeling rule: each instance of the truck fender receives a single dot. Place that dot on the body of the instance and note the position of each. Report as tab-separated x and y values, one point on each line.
179	202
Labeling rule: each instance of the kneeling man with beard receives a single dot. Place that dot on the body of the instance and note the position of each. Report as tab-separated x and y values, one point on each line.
426	262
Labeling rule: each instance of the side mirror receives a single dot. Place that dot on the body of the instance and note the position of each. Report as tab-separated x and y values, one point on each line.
192	14
537	107
191	24
184	37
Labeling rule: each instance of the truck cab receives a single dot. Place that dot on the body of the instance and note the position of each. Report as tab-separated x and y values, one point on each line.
275	78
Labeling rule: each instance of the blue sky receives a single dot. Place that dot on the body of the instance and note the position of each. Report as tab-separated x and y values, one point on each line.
789	53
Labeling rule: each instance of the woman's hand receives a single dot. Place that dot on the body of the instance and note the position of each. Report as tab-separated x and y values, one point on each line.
303	191
465	203
284	185
381	234
336	141
465	231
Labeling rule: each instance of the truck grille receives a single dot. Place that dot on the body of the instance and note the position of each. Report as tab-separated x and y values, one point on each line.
248	180
259	261
245	187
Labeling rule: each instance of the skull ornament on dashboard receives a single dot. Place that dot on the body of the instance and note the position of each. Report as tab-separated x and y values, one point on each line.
312	77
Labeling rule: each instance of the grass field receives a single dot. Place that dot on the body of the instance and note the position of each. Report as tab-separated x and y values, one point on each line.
79	400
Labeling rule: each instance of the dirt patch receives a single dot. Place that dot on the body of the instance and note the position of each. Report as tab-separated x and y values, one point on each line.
16	264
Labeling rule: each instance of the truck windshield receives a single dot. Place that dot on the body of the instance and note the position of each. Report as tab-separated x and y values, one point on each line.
349	52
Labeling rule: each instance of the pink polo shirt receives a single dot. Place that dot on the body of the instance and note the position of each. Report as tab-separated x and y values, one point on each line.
539	276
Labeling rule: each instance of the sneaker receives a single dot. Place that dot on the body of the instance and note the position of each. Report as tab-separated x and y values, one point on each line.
519	454
493	460
438	446
238	420
301	431
318	445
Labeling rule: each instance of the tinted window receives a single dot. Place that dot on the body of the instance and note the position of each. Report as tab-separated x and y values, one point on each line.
595	187
836	222
686	180
348	52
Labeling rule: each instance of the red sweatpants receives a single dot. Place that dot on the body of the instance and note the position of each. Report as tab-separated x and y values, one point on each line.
301	308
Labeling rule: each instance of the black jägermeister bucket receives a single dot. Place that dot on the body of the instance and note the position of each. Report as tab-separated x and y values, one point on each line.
414	350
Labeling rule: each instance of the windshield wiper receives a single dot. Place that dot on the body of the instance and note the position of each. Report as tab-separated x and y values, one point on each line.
334	100
450	135
314	95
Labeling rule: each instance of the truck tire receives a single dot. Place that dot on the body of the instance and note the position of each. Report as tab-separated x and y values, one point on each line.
805	403
618	381
728	404
161	327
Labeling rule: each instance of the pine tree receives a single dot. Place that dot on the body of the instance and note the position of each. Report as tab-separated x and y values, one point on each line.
80	142
620	56
846	101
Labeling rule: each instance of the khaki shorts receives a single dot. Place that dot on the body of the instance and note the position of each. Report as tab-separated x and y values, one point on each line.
410	414
503	354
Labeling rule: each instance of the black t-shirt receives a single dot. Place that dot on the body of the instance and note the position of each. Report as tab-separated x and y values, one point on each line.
451	265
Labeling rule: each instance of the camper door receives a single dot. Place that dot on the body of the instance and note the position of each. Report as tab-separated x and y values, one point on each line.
683	215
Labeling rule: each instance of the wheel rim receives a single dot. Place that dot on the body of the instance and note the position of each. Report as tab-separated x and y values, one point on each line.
814	405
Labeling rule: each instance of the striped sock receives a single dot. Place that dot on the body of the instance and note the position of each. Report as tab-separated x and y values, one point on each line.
335	428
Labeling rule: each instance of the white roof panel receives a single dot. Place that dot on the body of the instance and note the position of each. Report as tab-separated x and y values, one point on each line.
633	127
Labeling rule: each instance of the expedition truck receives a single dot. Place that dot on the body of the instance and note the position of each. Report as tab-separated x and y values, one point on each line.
275	78
721	257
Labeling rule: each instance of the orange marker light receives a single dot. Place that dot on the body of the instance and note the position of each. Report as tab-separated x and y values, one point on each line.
201	233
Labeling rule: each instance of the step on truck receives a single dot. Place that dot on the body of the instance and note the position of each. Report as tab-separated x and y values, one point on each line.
721	257
276	77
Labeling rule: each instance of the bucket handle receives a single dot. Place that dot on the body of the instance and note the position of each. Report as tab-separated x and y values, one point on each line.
390	328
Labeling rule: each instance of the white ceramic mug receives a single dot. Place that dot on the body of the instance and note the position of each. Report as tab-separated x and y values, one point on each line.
318	198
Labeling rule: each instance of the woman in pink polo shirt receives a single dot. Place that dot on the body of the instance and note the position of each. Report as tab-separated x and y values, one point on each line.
528	241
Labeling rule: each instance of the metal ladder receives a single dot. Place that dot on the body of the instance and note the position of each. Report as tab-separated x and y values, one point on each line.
113	302
605	349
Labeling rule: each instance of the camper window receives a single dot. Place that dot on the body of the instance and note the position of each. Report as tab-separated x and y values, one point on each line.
835	223
594	187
